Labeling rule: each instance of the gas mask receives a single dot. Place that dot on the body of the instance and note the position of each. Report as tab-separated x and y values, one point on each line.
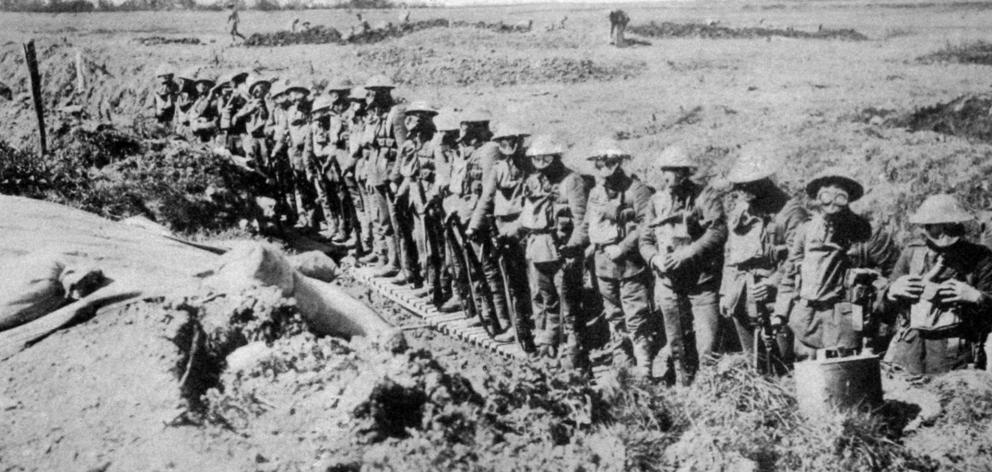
675	177
543	161
944	234
833	200
413	122
607	166
509	145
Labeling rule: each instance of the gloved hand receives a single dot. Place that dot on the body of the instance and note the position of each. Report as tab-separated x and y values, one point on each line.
778	320
907	287
956	291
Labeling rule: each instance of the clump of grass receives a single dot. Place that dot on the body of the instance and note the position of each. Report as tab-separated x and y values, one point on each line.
976	52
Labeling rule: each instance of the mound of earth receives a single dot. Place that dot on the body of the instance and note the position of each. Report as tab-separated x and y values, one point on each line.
666	29
967	116
428	66
157	40
978	52
326	35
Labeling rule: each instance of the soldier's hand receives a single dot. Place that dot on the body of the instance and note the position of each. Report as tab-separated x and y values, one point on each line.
473	235
677	258
613	251
777	321
760	291
956	291
907	287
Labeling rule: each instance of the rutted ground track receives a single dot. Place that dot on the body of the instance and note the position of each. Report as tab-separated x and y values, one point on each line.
452	324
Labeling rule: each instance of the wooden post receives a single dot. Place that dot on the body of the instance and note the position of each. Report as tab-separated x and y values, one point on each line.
32	62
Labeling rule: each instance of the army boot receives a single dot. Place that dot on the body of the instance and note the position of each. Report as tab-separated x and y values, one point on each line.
452	305
642	359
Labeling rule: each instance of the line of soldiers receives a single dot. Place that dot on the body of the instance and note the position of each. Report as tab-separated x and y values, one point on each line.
496	225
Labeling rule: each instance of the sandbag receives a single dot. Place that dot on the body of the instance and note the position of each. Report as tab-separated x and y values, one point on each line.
41	282
315	264
30	288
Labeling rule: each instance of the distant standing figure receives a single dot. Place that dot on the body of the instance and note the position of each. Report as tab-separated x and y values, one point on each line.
405	15
233	19
618	24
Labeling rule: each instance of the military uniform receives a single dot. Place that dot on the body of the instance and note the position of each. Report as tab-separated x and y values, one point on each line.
498	213
165	101
203	118
354	177
922	349
760	234
418	194
382	133
554	206
462	182
811	293
613	215
252	119
689	218
323	171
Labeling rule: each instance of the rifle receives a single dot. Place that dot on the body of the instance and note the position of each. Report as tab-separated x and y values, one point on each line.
769	349
500	245
861	293
470	262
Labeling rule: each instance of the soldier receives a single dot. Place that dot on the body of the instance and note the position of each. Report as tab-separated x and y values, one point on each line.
449	167
941	293
321	159
382	135
364	204
165	94
813	304
495	222
615	210
234	20
349	227
554	205
185	97
278	169
463	183
297	123
203	113
761	226
414	170
683	244
252	118
229	101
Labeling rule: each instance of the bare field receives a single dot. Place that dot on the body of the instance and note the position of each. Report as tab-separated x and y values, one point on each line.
820	102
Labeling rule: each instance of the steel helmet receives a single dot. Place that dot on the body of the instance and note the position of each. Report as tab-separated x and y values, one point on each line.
343	87
238	76
675	157
476	115
322	103
277	88
756	162
835	177
202	76
446	120
420	106
379	81
188	73
508	131
294	85
940	208
165	70
357	94
606	147
545	145
255	81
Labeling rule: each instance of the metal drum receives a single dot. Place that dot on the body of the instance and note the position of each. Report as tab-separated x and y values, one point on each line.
826	385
